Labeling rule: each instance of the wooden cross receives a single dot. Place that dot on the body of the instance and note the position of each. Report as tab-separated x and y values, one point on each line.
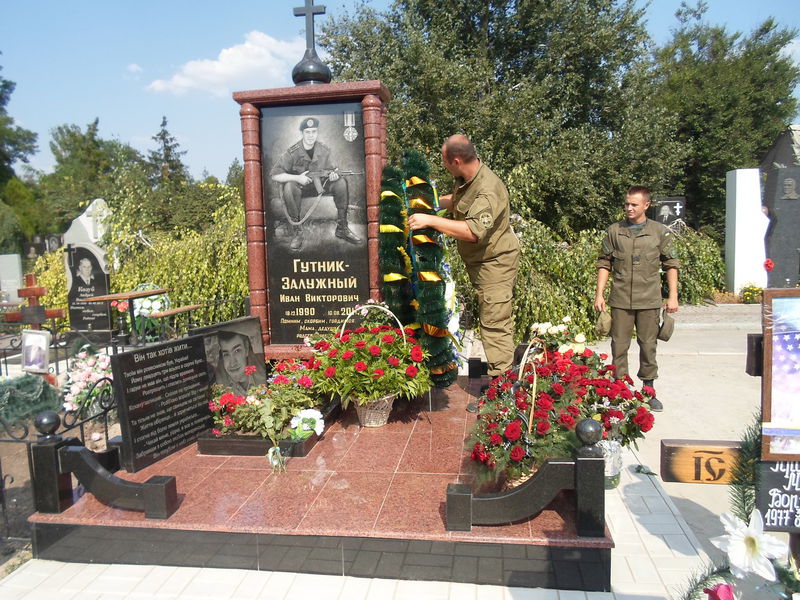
33	314
308	11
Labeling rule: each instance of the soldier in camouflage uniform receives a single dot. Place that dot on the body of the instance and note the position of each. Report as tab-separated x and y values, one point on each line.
633	250
486	243
307	169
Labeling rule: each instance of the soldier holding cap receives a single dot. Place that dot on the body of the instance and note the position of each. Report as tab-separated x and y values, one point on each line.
633	250
486	243
307	169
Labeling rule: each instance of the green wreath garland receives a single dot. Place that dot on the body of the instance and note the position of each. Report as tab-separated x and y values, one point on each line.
412	266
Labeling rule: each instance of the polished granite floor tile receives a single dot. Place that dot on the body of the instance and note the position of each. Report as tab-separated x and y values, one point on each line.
374	452
349	502
417	498
281	502
429	451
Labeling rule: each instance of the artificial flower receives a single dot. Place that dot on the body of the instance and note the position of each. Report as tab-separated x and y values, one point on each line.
749	549
721	591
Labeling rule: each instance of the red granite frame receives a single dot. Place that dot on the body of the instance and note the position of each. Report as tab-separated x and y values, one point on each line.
373	96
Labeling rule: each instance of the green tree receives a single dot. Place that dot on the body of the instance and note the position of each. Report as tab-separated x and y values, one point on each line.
22	200
16	143
552	93
164	163
87	167
732	95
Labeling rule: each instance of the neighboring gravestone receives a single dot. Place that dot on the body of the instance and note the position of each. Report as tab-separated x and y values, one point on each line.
667	210
162	395
87	276
10	276
87	271
778	495
91	225
745	227
781	200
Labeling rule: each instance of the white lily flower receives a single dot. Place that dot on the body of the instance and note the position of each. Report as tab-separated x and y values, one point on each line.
748	548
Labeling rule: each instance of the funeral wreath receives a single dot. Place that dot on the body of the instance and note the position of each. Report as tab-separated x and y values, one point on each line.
527	417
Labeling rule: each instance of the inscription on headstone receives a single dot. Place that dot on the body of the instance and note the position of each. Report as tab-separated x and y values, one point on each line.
163	402
87	277
778	495
315	207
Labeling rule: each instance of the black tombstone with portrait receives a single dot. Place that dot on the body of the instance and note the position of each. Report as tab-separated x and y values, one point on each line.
783	234
87	277
315	213
667	210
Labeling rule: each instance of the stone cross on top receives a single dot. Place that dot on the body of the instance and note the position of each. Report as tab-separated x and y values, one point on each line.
311	70
308	11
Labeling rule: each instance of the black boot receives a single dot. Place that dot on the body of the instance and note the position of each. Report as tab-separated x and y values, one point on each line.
342	230
655	403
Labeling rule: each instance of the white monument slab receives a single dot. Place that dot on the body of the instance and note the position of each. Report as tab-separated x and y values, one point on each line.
745	226
10	275
90	226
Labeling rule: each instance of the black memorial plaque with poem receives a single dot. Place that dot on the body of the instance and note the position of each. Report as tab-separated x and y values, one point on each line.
162	392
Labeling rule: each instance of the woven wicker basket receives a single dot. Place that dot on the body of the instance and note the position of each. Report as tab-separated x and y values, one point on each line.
376	413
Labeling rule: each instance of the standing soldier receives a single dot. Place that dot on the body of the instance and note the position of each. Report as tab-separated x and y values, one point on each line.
486	243
633	250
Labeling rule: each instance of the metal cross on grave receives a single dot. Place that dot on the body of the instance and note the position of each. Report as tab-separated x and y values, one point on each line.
308	11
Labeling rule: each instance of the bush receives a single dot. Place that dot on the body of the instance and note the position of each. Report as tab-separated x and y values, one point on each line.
557	277
751	294
208	267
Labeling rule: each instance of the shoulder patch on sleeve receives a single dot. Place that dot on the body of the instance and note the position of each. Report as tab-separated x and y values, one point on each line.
485	219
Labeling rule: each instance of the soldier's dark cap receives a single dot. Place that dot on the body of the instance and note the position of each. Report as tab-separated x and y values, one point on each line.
603	325
308	123
667	326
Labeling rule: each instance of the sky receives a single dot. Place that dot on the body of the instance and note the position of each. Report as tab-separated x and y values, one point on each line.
130	63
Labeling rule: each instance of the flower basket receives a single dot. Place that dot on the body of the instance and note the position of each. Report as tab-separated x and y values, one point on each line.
376	413
371	365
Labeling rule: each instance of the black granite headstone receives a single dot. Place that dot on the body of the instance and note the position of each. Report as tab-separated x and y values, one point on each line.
783	234
162	395
315	206
86	278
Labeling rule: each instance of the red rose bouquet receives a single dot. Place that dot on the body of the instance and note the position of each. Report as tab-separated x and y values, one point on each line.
525	419
267	409
369	362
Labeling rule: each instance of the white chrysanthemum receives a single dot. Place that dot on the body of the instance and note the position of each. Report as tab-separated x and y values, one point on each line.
567	319
748	548
580	338
578	348
563	348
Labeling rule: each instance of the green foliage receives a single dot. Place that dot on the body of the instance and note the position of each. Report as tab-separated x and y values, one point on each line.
87	167
32	219
744	471
164	166
16	143
551	94
11	234
733	97
557	277
702	268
